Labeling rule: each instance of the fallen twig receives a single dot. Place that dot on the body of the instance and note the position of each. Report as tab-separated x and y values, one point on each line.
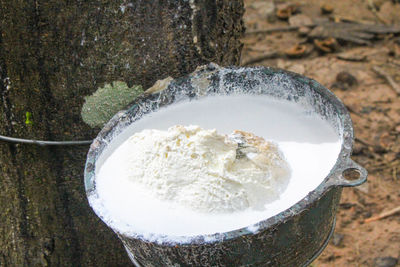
361	34
278	29
388	78
263	57
383	215
349	57
338	19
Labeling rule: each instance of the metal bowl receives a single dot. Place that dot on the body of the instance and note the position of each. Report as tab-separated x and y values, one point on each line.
295	236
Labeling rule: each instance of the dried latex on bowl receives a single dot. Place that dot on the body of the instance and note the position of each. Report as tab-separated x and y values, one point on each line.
206	171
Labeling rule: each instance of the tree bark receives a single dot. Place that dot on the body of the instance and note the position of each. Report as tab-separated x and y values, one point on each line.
52	54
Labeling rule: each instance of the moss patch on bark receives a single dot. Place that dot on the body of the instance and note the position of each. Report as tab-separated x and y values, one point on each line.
106	101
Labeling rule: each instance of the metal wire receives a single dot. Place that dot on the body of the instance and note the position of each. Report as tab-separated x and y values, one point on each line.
44	143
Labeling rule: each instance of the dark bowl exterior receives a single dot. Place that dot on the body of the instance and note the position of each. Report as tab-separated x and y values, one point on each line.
293	237
291	242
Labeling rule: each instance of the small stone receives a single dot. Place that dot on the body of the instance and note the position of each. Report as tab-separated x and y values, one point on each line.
358	149
303	31
345	80
385	262
265	9
327	8
366	215
300	20
337	239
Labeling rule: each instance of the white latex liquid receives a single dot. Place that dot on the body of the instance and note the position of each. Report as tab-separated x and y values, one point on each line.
309	144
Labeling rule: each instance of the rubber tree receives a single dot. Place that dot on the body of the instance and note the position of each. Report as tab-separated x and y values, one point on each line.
55	53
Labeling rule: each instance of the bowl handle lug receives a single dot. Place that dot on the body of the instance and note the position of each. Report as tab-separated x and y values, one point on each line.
344	176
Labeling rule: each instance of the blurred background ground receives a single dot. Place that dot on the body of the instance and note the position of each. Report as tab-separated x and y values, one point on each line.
361	65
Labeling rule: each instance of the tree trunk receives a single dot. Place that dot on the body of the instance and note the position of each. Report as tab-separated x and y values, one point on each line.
52	54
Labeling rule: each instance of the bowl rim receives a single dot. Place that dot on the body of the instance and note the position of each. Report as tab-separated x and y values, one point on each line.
333	179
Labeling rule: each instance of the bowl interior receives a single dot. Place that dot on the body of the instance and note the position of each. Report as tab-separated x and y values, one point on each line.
214	81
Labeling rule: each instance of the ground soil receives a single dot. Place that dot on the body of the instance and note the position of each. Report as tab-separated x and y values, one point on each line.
374	106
